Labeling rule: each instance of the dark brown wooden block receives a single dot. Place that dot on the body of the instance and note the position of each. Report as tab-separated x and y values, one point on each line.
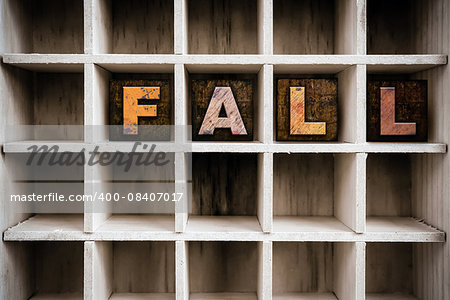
306	109
222	108
397	110
153	108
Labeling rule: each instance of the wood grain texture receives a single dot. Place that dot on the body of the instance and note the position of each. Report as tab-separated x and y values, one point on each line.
142	26
222	27
58	99
392	27
320	106
388	185
302	267
303	185
303	27
224	184
164	109
57	26
410	107
132	109
298	126
222	97
58	267
222	267
389	268
202	91
144	267
388	125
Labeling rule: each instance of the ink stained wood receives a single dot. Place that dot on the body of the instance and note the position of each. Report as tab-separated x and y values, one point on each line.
320	106
201	94
224	184
164	110
410	108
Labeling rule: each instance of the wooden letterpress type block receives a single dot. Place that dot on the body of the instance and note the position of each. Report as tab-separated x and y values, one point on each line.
137	103
397	110
222	108
306	109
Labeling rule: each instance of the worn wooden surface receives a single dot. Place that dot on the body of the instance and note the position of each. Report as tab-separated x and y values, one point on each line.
57	26
389	268
58	99
133	109
202	91
144	267
222	27
58	267
303	27
388	185
388	125
302	267
298	124
303	185
392	27
320	106
142	26
222	97
224	184
164	110
216	267
410	107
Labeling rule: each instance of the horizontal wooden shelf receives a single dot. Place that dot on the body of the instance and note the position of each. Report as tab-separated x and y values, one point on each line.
293	224
48	227
305	296
142	296
62	296
139	223
223	296
221	228
155	63
223	224
401	229
236	147
390	297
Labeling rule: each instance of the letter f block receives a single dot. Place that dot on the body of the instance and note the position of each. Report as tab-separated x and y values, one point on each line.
132	110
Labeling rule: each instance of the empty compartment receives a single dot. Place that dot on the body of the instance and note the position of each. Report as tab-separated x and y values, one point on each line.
404	26
397	200
223	270
133	270
222	27
315	27
403	271
224	192
57	270
136	193
313	270
135	27
304	192
389	185
303	27
55	99
48	184
45	26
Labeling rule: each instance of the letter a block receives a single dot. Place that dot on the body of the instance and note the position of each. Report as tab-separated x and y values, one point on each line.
306	109
137	104
222	109
397	110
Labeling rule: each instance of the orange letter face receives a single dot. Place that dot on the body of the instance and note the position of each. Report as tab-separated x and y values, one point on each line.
222	96
388	126
132	110
298	125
